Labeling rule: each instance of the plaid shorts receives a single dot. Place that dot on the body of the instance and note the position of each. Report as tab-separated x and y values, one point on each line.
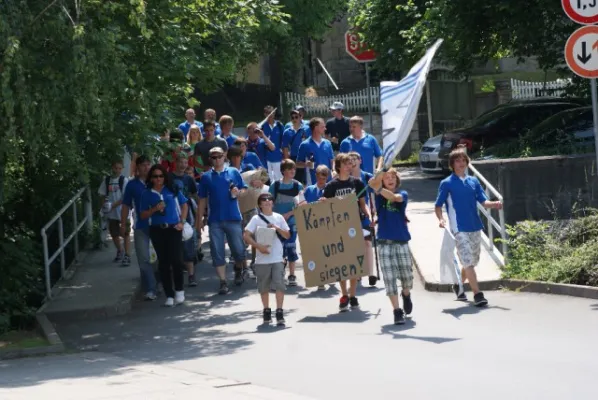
468	247
395	263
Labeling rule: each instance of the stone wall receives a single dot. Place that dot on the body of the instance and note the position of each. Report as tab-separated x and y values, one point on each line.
543	187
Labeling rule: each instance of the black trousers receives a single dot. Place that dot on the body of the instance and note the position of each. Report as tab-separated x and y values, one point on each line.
168	244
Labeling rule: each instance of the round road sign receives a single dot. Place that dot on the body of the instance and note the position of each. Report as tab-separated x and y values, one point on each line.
581	11
581	51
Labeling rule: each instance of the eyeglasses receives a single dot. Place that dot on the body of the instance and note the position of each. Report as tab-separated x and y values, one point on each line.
157	176
268	199
216	157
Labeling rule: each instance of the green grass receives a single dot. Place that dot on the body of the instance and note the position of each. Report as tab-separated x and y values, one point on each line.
412	159
14	340
536	76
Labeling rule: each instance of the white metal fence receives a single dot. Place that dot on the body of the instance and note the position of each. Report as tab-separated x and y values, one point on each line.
354	102
531	90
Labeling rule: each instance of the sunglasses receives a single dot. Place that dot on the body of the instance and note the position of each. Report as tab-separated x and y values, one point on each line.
216	157
268	199
157	176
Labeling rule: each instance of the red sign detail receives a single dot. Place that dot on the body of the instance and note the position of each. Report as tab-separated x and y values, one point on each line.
570	54
575	16
357	49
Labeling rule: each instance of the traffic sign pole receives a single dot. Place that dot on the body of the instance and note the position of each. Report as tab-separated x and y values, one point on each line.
594	91
367	85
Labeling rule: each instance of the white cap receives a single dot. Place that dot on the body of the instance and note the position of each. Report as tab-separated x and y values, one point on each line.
337	105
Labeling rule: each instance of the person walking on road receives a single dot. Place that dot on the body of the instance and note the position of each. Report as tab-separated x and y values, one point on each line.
226	129
393	241
221	186
166	209
363	143
315	151
132	201
337	127
459	193
202	149
269	267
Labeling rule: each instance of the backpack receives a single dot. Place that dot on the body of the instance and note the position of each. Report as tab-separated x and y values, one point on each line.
292	192
263	218
121	183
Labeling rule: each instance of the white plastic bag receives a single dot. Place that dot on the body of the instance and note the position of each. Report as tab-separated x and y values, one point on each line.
152	253
450	272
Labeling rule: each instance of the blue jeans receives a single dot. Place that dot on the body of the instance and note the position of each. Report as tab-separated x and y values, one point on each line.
142	243
290	245
234	236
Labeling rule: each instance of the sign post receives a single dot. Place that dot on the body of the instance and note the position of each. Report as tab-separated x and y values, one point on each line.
361	53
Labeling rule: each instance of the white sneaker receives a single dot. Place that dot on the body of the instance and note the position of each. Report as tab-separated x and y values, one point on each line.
179	297
150	296
169	302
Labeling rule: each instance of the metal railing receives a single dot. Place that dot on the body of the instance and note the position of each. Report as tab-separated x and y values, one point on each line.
500	224
62	241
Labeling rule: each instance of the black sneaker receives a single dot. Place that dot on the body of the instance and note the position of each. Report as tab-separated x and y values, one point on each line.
292	280
239	277
354	303
267	315
407	304
399	316
279	317
479	300
126	260
119	256
223	288
344	304
199	255
192	281
461	296
373	280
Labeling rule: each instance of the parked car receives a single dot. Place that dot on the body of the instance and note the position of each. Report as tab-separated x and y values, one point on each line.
428	156
499	125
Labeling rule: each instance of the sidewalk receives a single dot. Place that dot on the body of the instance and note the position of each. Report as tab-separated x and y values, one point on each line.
426	236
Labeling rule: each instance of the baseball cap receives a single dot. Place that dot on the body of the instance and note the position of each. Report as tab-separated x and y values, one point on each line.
337	105
299	107
216	150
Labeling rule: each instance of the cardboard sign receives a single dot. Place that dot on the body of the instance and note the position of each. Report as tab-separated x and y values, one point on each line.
248	201
331	240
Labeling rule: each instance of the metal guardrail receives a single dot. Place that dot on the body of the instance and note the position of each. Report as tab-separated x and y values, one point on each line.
500	224
63	242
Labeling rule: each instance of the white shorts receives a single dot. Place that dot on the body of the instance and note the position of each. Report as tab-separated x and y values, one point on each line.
468	247
274	171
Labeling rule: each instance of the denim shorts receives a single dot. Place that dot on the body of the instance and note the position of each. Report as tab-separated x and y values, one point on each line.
234	236
290	245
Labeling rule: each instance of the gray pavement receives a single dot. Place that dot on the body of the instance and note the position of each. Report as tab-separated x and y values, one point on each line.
523	346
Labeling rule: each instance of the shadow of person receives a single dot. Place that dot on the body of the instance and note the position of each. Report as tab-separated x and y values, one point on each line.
353	316
395	331
470	310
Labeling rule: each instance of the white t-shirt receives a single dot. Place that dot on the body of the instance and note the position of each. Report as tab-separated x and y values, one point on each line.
114	194
275	248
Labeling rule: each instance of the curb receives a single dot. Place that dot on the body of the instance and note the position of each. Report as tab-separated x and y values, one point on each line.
516	285
56	346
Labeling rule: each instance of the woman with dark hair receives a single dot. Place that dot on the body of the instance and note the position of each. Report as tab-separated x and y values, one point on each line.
166	208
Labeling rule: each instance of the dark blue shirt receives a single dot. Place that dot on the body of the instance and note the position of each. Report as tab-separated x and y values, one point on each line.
216	187
132	199
171	216
253	159
367	147
291	139
258	148
312	193
461	197
365	178
275	135
322	154
185	126
230	139
392	222
217	130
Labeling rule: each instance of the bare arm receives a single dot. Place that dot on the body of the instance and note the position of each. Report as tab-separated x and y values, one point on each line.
380	163
388	195
268	142
148	213
441	221
184	211
124	214
201	211
492	204
285	153
364	208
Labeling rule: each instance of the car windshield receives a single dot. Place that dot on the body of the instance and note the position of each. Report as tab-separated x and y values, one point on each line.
560	120
491	118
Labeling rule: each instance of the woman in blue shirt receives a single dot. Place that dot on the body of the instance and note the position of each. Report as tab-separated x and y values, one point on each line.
166	209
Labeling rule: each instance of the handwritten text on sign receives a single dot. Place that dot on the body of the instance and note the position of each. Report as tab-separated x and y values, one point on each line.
331	241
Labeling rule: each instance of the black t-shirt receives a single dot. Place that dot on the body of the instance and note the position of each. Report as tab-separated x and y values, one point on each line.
338	128
202	149
338	188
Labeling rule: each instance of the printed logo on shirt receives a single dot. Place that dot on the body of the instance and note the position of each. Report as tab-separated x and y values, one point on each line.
113	187
343	192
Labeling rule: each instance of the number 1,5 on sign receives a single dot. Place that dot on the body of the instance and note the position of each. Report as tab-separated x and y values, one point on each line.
582	5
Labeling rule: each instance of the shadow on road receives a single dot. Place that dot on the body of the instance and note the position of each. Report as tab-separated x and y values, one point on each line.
470	310
353	316
594	307
396	332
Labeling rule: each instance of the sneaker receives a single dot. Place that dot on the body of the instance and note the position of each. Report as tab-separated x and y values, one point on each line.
239	277
461	296
267	315
150	296
179	297
292	280
399	316
169	302
126	260
354	303
223	288
321	287
279	317
251	272
344	304
119	256
407	304
479	300
192	281
373	280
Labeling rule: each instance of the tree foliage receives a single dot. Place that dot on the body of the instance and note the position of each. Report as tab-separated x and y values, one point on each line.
80	79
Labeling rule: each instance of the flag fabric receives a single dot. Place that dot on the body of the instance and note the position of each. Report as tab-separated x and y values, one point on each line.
399	102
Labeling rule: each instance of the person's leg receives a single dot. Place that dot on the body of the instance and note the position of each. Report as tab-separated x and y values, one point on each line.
343	285
189	254
127	239
234	235
468	251
114	228
216	234
290	247
369	262
352	287
389	274
175	248
263	274
344	301
278	285
148	279
159	241
405	274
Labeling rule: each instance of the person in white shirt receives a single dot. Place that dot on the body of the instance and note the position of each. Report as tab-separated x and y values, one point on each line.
269	267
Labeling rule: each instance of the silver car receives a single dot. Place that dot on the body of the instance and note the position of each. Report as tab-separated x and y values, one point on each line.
428	156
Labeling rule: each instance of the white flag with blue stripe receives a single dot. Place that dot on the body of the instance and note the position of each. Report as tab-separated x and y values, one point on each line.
399	102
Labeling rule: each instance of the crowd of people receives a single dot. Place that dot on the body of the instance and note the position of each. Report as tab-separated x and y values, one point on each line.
200	181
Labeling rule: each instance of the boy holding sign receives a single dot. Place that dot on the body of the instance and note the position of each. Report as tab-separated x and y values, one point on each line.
268	227
341	186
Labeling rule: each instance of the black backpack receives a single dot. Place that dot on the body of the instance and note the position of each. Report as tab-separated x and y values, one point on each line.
294	191
121	183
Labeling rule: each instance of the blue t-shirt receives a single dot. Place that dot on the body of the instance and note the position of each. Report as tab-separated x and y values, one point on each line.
230	139
367	147
392	222
217	130
313	193
253	159
132	199
365	178
304	122
258	148
322	154
460	196
216	187
171	216
275	136
291	139
185	126
283	203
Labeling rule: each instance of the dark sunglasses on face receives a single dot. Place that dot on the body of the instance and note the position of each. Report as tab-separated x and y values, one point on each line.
216	157
268	199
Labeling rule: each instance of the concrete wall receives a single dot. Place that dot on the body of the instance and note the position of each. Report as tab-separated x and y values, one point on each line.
542	187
